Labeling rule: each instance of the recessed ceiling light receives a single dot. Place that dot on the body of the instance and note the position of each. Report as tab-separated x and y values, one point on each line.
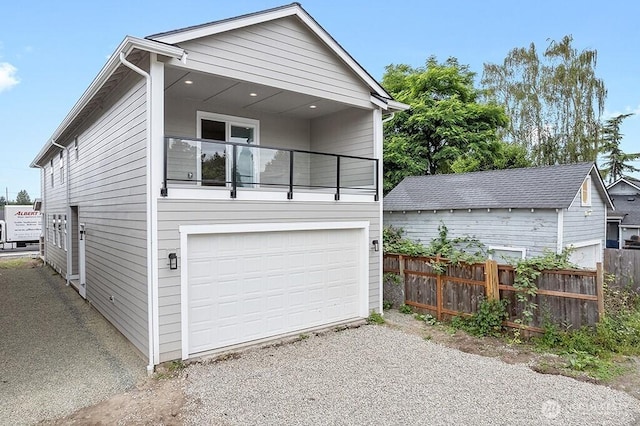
253	94
188	82
313	106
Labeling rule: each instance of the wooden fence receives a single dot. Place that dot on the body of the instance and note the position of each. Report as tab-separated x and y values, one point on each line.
624	268
565	297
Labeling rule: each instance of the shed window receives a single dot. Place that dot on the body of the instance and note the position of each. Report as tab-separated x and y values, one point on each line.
585	192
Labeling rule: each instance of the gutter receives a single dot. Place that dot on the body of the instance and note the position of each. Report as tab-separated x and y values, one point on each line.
150	225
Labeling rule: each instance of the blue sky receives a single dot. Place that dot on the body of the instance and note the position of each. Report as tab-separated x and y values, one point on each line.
51	51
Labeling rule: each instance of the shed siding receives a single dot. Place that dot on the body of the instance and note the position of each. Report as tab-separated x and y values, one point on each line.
108	184
585	223
280	53
535	230
173	213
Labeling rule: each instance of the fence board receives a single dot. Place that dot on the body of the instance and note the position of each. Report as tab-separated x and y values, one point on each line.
571	298
623	267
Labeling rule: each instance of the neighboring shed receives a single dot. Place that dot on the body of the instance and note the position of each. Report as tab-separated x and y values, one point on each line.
515	213
624	222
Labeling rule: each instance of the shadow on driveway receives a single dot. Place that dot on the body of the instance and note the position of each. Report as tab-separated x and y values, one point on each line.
58	354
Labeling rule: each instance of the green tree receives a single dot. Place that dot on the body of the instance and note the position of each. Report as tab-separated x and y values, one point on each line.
3	201
446	119
616	162
554	102
23	198
503	155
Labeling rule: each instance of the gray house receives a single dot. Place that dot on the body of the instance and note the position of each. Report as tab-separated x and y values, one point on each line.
516	213
219	185
624	222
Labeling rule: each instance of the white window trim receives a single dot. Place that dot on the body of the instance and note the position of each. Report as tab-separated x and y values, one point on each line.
51	172
65	234
587	202
521	250
61	167
229	121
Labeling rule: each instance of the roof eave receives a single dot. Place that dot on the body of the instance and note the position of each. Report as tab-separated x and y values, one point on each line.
128	44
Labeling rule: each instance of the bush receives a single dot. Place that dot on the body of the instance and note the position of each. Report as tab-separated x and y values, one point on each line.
487	321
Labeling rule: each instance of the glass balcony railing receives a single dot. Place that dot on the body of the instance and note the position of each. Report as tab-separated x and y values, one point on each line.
234	165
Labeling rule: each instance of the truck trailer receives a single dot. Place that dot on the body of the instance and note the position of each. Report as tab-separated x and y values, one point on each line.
21	225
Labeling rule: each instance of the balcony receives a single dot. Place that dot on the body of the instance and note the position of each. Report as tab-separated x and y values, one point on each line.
238	166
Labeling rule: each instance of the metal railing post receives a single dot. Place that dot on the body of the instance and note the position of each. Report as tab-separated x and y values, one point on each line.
290	193
337	197
234	178
163	190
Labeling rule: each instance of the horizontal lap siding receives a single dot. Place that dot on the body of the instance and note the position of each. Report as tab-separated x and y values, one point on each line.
348	132
519	228
585	223
172	214
55	197
281	53
108	184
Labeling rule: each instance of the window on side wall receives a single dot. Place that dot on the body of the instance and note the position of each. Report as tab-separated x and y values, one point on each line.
585	192
64	229
61	167
51	171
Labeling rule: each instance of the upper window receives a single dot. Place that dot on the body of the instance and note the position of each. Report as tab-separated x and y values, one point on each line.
51	171
214	167
75	147
585	192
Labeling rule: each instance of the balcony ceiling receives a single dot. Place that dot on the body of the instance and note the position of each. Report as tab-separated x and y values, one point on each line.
237	94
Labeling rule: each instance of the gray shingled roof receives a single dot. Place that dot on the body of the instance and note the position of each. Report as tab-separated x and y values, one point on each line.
629	207
535	187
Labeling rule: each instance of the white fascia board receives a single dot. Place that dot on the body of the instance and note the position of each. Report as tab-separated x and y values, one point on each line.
625	181
128	44
270	15
603	188
397	106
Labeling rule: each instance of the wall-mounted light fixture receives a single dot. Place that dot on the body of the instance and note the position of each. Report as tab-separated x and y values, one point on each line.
173	261
376	245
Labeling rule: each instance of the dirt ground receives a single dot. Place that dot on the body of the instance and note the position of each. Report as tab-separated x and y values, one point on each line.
159	400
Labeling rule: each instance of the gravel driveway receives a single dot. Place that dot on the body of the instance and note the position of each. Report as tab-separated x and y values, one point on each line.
57	353
378	375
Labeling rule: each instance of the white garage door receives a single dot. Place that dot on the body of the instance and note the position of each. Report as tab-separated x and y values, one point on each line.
249	286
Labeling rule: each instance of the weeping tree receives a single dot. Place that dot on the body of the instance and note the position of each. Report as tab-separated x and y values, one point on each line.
554	101
616	162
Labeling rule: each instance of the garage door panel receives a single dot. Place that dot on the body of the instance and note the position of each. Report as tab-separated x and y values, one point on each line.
249	286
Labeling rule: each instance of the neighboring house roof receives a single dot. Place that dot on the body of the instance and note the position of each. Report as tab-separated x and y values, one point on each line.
635	183
166	44
627	208
535	187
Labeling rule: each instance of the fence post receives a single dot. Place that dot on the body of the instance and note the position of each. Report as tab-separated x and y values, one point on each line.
402	278
600	290
438	292
491	272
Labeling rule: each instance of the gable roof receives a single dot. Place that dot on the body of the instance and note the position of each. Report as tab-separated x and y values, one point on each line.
178	36
635	183
535	187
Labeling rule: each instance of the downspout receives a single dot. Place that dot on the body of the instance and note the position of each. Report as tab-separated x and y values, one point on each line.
68	191
389	118
150	224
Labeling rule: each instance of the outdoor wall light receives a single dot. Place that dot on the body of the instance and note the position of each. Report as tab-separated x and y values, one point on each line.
173	261
376	245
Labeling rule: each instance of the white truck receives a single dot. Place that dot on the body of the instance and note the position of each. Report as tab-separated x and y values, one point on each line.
21	225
